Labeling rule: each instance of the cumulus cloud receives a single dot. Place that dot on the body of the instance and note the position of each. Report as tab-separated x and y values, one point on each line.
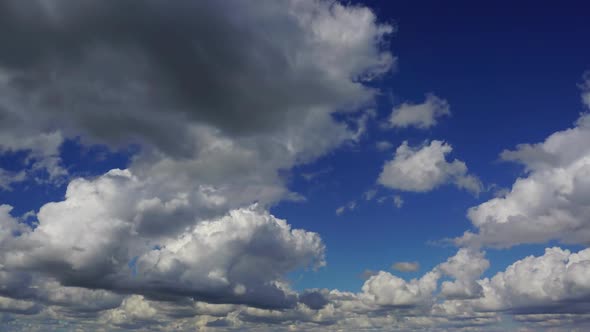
465	267
555	282
385	289
90	239
423	116
549	290
422	169
549	202
406	266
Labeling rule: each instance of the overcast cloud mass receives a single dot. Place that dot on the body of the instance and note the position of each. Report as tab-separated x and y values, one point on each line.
220	106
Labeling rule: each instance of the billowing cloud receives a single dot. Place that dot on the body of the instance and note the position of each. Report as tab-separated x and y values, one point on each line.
423	116
549	290
425	168
556	282
385	289
106	235
465	267
218	107
549	202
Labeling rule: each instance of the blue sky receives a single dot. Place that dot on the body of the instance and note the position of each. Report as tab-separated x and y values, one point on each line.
278	114
509	76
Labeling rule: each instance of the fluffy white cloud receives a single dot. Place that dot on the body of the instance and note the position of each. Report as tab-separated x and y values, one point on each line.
425	168
91	238
555	282
465	267
423	116
550	202
385	289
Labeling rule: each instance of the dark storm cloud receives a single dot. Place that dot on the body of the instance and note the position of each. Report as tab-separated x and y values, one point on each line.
120	69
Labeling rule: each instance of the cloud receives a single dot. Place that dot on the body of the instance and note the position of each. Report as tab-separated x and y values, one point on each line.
536	292
188	220
383	145
156	78
42	162
406	266
549	202
425	168
423	116
585	87
385	289
351	206
89	240
370	194
555	282
398	201
465	267
7	178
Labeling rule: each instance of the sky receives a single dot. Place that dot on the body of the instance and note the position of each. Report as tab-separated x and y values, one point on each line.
294	165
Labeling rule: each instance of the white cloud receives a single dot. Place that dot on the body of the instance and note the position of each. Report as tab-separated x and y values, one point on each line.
385	289
89	239
549	202
554	282
465	267
425	168
422	115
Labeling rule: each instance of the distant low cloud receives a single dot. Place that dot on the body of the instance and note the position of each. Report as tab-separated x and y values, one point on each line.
406	266
422	169
398	201
383	145
423	116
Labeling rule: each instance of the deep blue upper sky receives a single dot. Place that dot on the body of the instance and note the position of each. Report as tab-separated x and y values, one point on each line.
509	71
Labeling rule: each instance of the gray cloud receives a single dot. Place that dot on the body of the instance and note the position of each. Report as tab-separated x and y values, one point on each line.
406	266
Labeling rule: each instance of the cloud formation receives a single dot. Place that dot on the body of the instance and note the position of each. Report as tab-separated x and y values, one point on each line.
550	202
422	116
422	169
406	266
